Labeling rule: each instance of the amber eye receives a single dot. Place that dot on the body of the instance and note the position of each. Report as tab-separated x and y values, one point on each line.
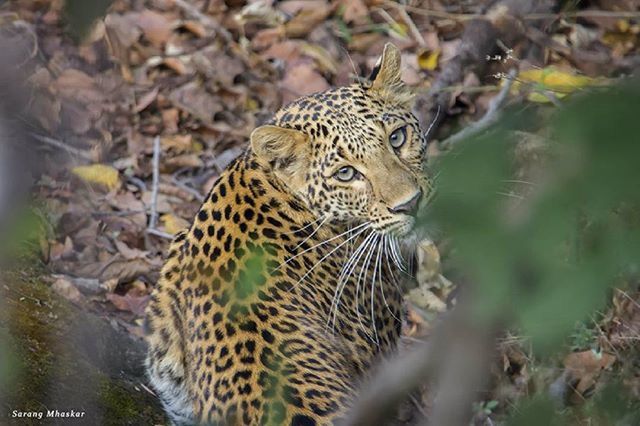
345	174
398	137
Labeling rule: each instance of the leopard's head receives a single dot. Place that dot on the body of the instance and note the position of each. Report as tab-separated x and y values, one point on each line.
353	154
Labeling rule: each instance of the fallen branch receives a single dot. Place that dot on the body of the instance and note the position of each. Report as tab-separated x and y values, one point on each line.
412	26
192	191
153	217
490	117
458	354
157	233
462	17
65	147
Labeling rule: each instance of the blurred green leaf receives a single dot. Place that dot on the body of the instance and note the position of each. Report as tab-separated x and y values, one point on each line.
550	267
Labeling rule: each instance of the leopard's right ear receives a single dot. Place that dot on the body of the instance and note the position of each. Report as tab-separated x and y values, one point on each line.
386	73
283	149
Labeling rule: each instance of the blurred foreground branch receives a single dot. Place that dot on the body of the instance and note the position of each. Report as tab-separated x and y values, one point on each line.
457	355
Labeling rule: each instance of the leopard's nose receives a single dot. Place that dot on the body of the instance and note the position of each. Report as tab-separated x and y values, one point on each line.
408	207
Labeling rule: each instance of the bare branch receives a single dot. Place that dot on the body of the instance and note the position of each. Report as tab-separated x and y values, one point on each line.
153	217
458	353
153	231
64	146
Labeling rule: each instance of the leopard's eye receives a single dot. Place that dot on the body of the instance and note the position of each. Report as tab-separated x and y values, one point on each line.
345	174
398	137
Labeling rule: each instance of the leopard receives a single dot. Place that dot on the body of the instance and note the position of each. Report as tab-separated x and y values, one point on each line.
280	298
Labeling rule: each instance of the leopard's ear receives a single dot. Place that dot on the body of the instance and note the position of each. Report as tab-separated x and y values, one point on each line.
283	149
387	72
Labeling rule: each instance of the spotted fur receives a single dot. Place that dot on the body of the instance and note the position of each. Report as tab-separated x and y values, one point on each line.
272	307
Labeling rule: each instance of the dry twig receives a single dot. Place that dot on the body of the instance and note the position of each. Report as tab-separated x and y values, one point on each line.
153	217
412	26
153	231
462	17
66	147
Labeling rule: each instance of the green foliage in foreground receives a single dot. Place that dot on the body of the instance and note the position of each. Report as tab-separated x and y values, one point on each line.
549	262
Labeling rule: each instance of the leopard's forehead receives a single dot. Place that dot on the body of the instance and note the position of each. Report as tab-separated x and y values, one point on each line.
346	115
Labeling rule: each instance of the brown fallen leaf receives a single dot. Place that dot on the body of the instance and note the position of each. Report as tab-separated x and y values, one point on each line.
128	252
194	99
61	250
354	10
155	26
122	33
75	84
129	303
266	37
302	79
582	370
195	28
307	19
66	289
176	65
145	100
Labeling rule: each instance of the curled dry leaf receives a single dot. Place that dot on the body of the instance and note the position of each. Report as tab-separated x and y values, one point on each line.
582	370
77	85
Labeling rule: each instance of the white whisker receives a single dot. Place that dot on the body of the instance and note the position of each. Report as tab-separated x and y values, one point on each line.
325	256
394	254
322	243
383	248
312	234
365	270
346	272
373	286
304	227
387	256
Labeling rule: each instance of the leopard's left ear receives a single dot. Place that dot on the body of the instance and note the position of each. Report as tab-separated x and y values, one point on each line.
387	72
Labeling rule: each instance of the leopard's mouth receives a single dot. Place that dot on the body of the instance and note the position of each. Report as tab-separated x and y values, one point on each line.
400	227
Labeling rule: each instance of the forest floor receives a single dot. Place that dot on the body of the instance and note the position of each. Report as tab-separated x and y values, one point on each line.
136	114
